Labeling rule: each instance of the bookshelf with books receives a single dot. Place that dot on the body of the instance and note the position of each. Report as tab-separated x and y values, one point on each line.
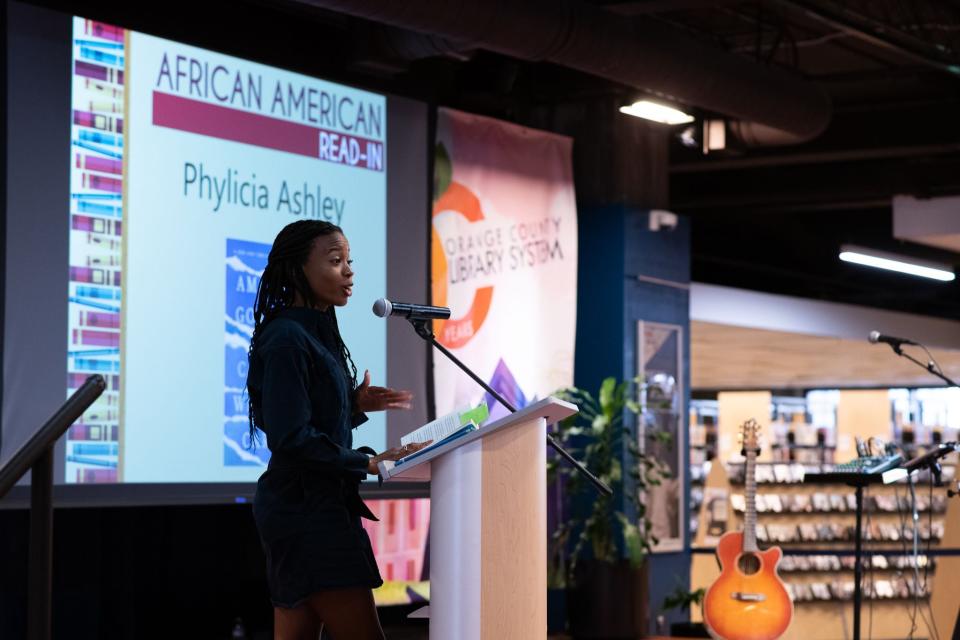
819	427
814	525
703	436
703	449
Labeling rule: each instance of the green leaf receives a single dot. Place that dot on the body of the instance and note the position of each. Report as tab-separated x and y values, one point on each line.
442	171
615	472
681	599
662	437
635	550
607	389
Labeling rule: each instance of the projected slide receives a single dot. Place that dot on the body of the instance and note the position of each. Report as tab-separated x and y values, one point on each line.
184	166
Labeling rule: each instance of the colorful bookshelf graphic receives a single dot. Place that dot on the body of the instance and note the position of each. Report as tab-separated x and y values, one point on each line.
399	542
96	250
245	262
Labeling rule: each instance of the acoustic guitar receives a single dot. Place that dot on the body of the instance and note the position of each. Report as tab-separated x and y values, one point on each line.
748	601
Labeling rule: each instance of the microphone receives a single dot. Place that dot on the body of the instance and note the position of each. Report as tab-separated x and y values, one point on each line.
383	308
931	456
928	459
893	341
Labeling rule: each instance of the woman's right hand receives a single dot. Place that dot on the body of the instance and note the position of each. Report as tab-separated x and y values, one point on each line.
395	454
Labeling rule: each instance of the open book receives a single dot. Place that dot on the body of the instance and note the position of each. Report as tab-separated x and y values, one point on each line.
448	424
447	428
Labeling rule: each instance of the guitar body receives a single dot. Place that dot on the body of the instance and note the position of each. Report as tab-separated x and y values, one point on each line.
747	607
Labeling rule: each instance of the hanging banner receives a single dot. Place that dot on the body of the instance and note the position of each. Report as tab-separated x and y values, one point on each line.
504	259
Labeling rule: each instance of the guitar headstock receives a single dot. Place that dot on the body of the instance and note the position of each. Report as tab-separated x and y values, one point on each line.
750	436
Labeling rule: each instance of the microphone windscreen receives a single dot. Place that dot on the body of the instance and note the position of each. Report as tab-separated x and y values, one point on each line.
874	337
382	308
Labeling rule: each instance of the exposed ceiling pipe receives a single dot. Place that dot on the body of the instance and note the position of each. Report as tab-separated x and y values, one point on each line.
879	34
756	134
636	53
816	157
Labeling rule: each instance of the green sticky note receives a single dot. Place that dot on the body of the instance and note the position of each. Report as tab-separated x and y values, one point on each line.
478	414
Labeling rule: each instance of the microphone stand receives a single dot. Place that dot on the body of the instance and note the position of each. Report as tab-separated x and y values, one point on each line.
935	370
928	460
424	331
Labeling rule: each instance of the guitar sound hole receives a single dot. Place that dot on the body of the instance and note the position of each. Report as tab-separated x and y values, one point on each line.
748	564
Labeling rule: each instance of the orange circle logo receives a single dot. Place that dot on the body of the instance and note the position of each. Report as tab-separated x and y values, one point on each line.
456	332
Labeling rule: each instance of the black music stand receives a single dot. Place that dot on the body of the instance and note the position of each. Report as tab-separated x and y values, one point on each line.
857	480
879	474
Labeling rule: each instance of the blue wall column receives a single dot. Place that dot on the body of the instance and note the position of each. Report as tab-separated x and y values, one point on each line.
629	273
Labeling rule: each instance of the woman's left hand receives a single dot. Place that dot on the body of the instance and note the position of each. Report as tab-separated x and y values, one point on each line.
369	398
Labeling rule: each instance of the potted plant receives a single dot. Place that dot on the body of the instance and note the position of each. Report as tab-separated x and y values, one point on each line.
607	587
683	599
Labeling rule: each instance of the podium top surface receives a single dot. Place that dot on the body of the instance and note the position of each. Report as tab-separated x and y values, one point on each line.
551	409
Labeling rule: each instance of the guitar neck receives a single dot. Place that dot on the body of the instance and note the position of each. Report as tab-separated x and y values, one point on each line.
750	495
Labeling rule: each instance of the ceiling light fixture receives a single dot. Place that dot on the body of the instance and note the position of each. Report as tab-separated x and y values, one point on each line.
894	262
656	112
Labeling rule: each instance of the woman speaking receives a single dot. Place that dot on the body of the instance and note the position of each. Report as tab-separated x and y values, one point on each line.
305	397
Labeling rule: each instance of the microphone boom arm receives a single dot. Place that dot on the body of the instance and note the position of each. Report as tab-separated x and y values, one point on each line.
420	326
928	366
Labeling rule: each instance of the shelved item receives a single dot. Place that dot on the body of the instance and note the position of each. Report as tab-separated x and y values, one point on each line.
842	590
703	436
836	564
820	453
703	450
841	502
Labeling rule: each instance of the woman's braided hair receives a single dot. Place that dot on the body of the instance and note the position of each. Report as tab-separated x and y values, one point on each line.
282	280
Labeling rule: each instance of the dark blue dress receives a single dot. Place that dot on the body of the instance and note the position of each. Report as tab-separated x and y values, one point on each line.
307	505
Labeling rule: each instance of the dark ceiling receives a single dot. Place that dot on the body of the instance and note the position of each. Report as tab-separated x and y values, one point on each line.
767	218
774	218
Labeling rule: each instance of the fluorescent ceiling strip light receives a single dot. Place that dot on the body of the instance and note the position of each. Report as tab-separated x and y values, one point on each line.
893	262
656	112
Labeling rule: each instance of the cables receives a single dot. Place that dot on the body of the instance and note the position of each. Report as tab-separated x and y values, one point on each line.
920	588
903	545
903	541
935	633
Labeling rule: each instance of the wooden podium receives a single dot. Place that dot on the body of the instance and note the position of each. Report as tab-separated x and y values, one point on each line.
488	526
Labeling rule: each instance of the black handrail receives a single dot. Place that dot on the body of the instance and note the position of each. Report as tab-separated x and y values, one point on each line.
37	454
50	432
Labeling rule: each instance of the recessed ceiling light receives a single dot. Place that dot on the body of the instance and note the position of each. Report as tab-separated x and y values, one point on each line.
898	263
656	112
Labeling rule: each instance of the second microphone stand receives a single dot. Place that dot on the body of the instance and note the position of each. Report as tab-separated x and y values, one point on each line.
931	366
424	331
929	460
